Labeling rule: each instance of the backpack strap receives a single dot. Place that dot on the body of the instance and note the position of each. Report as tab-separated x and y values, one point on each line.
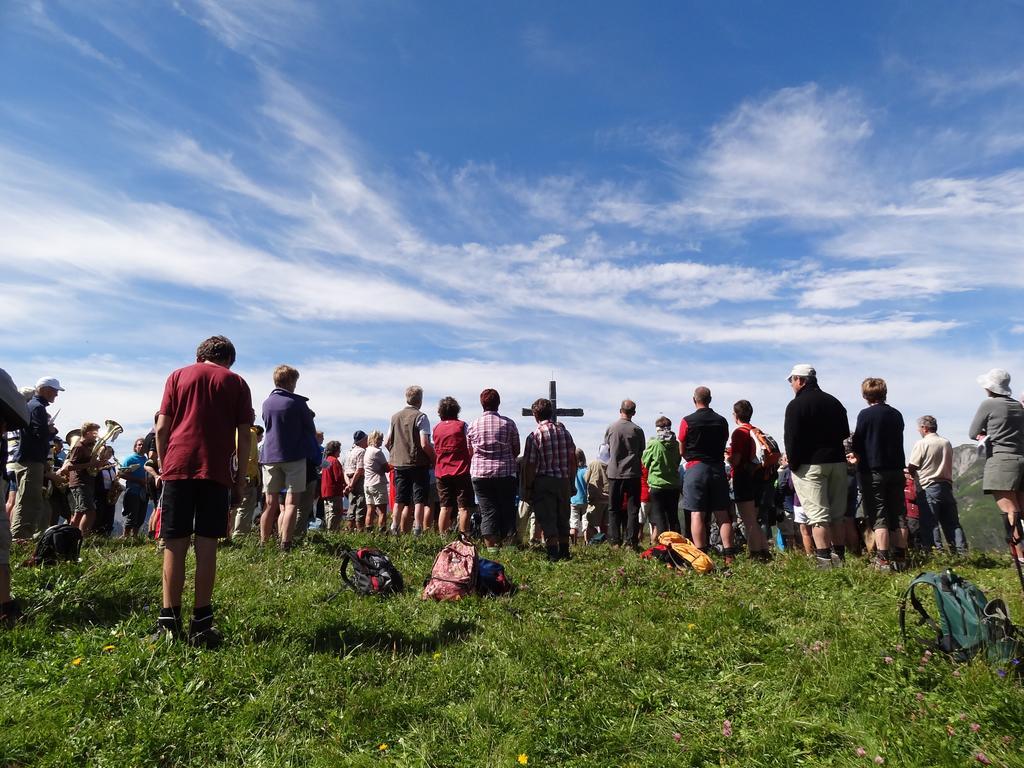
923	616
347	558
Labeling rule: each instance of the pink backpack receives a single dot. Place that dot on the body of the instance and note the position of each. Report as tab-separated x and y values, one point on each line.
455	572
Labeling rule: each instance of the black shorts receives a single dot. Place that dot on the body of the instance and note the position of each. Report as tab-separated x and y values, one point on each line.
412	485
455	490
194	506
705	488
746	486
134	510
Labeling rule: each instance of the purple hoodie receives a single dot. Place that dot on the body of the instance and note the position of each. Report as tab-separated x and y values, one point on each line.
291	434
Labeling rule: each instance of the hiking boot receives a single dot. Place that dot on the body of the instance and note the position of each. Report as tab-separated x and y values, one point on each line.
823	563
168	628
729	560
881	564
208	638
285	546
837	561
554	555
10	614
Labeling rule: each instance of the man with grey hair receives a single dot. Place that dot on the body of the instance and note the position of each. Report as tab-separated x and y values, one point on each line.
625	441
31	512
816	426
931	465
412	456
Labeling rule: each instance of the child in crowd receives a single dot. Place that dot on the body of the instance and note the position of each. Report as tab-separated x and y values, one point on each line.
577	517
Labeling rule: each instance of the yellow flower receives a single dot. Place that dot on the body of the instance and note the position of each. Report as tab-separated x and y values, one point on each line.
691	626
383	747
76	661
522	759
437	655
108	648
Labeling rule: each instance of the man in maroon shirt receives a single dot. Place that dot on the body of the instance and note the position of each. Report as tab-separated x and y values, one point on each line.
205	409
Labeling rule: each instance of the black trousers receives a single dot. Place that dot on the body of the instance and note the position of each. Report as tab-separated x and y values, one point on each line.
624	523
664	509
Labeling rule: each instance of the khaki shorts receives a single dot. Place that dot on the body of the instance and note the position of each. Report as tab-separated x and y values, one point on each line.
377	495
1003	472
822	490
285	476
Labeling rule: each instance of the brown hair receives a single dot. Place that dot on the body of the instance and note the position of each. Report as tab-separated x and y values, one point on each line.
663	422
743	410
874	390
89	426
284	376
542	409
490	400
216	349
448	408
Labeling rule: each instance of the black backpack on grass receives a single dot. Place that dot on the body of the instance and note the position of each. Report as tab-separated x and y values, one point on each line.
59	543
368	571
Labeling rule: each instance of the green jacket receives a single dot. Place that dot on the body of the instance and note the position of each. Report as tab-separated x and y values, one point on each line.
661	457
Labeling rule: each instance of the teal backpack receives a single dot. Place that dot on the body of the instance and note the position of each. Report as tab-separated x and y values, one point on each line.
967	622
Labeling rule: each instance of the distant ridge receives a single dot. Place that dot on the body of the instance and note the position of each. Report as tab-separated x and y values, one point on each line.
979	514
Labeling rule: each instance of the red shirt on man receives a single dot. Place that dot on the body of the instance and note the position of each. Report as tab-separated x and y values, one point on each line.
204	404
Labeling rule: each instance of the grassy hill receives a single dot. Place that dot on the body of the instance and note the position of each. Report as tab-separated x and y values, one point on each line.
979	514
607	660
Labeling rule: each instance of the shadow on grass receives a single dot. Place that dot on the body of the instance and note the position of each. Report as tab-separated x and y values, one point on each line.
340	637
104	610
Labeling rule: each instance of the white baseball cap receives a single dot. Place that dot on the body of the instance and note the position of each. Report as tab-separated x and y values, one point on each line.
49	381
803	370
997	380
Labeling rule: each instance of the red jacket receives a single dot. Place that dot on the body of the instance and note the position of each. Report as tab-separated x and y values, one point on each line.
910	495
332	479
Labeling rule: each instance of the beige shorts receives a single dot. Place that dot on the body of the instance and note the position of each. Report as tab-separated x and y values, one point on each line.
822	490
377	495
285	476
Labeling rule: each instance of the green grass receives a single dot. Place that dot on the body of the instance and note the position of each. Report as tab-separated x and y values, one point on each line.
595	662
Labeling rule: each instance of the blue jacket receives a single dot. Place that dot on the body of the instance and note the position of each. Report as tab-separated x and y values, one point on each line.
34	444
291	433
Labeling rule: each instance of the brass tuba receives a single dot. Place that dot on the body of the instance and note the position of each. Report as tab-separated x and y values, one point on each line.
113	430
71	438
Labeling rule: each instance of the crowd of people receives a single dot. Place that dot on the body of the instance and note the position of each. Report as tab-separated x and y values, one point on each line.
213	475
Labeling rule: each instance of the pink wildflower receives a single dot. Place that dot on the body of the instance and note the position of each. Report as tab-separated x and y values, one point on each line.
949	730
879	759
920	696
677	737
975	727
727	728
860	751
982	758
887	659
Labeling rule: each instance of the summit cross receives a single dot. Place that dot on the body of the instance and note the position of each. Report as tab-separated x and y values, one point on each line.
556	411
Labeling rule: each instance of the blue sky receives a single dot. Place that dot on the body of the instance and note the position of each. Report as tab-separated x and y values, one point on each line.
639	199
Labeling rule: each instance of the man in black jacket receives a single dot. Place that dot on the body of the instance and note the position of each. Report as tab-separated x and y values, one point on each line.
816	426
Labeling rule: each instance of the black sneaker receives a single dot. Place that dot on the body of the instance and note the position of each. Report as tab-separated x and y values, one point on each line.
205	638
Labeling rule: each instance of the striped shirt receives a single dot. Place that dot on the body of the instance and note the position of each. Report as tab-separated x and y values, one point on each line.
495	443
551	450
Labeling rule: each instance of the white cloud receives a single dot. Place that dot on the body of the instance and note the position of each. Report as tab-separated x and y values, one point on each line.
42	22
245	25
